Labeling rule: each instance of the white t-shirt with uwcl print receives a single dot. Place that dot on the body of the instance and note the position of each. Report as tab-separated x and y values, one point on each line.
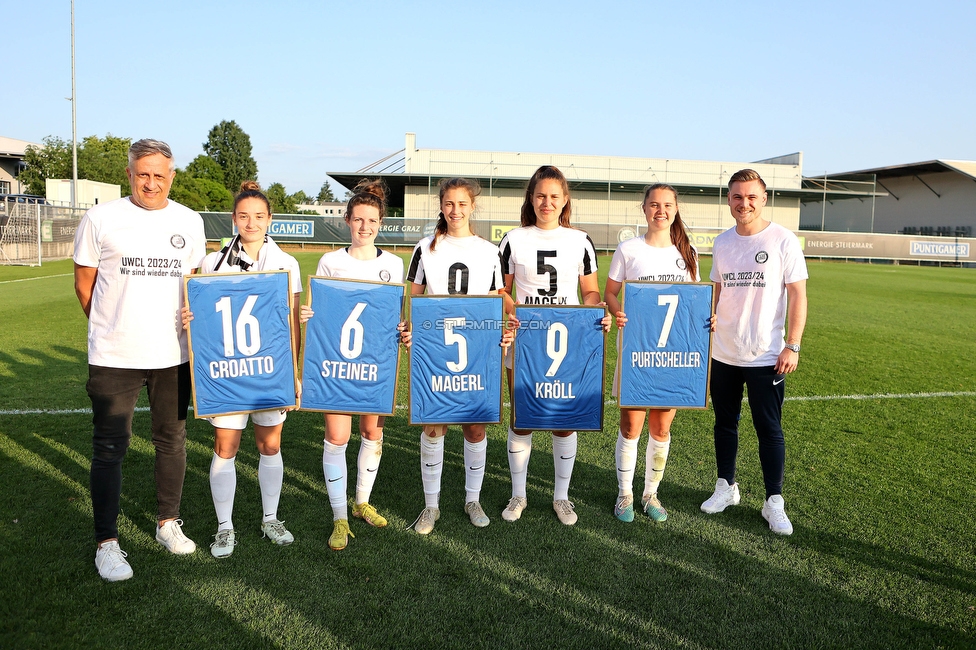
751	311
141	257
635	259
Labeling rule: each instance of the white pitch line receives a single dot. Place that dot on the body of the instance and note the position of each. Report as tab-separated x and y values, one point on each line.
140	409
817	398
806	398
40	277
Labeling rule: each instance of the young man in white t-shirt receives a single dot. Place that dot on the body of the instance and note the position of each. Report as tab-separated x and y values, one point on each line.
760	287
130	258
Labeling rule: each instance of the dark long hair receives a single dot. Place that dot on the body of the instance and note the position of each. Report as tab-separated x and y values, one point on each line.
447	184
546	172
679	236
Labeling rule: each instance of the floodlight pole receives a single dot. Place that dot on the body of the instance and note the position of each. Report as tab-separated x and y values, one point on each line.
491	196
823	206
74	117
874	194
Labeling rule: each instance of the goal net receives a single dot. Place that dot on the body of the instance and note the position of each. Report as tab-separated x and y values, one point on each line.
33	234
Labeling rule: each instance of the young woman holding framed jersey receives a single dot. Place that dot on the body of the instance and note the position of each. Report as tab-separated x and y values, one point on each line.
251	249
454	261
664	253
546	261
361	260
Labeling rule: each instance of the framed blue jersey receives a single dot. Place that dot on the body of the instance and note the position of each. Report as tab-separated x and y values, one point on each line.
456	359
665	350
351	354
241	340
558	368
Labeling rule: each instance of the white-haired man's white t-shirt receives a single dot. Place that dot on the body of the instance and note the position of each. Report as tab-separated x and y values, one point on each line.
141	257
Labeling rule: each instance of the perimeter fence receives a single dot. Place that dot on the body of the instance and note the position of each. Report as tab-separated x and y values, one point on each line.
32	234
399	231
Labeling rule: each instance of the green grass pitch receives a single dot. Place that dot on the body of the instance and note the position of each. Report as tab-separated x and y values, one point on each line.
880	483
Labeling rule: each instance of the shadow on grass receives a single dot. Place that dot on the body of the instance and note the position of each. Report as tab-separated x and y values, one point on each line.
748	519
44	378
720	581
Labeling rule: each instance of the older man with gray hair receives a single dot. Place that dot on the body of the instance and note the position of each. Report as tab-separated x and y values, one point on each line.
130	258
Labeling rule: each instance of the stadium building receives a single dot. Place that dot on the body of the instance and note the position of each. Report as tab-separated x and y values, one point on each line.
607	190
937	197
12	163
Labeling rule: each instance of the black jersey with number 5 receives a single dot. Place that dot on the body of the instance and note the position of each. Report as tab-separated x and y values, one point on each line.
547	264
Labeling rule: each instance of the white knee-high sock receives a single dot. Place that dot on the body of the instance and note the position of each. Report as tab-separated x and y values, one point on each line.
475	457
626	454
334	467
223	485
431	468
563	457
271	474
366	466
656	457
519	450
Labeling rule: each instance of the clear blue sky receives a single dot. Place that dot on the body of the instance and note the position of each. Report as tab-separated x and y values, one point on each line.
322	86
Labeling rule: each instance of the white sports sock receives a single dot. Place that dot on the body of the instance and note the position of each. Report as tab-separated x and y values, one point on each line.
223	485
519	450
475	457
271	474
334	467
367	464
656	458
626	455
431	467
563	457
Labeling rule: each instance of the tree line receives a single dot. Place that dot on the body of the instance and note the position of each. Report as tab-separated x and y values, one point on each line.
208	183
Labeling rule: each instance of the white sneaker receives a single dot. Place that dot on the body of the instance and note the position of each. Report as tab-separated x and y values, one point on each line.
224	543
514	509
774	511
111	563
425	522
477	514
171	536
275	531
565	511
725	495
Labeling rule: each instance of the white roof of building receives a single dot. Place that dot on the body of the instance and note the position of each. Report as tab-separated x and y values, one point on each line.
782	172
966	167
13	147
